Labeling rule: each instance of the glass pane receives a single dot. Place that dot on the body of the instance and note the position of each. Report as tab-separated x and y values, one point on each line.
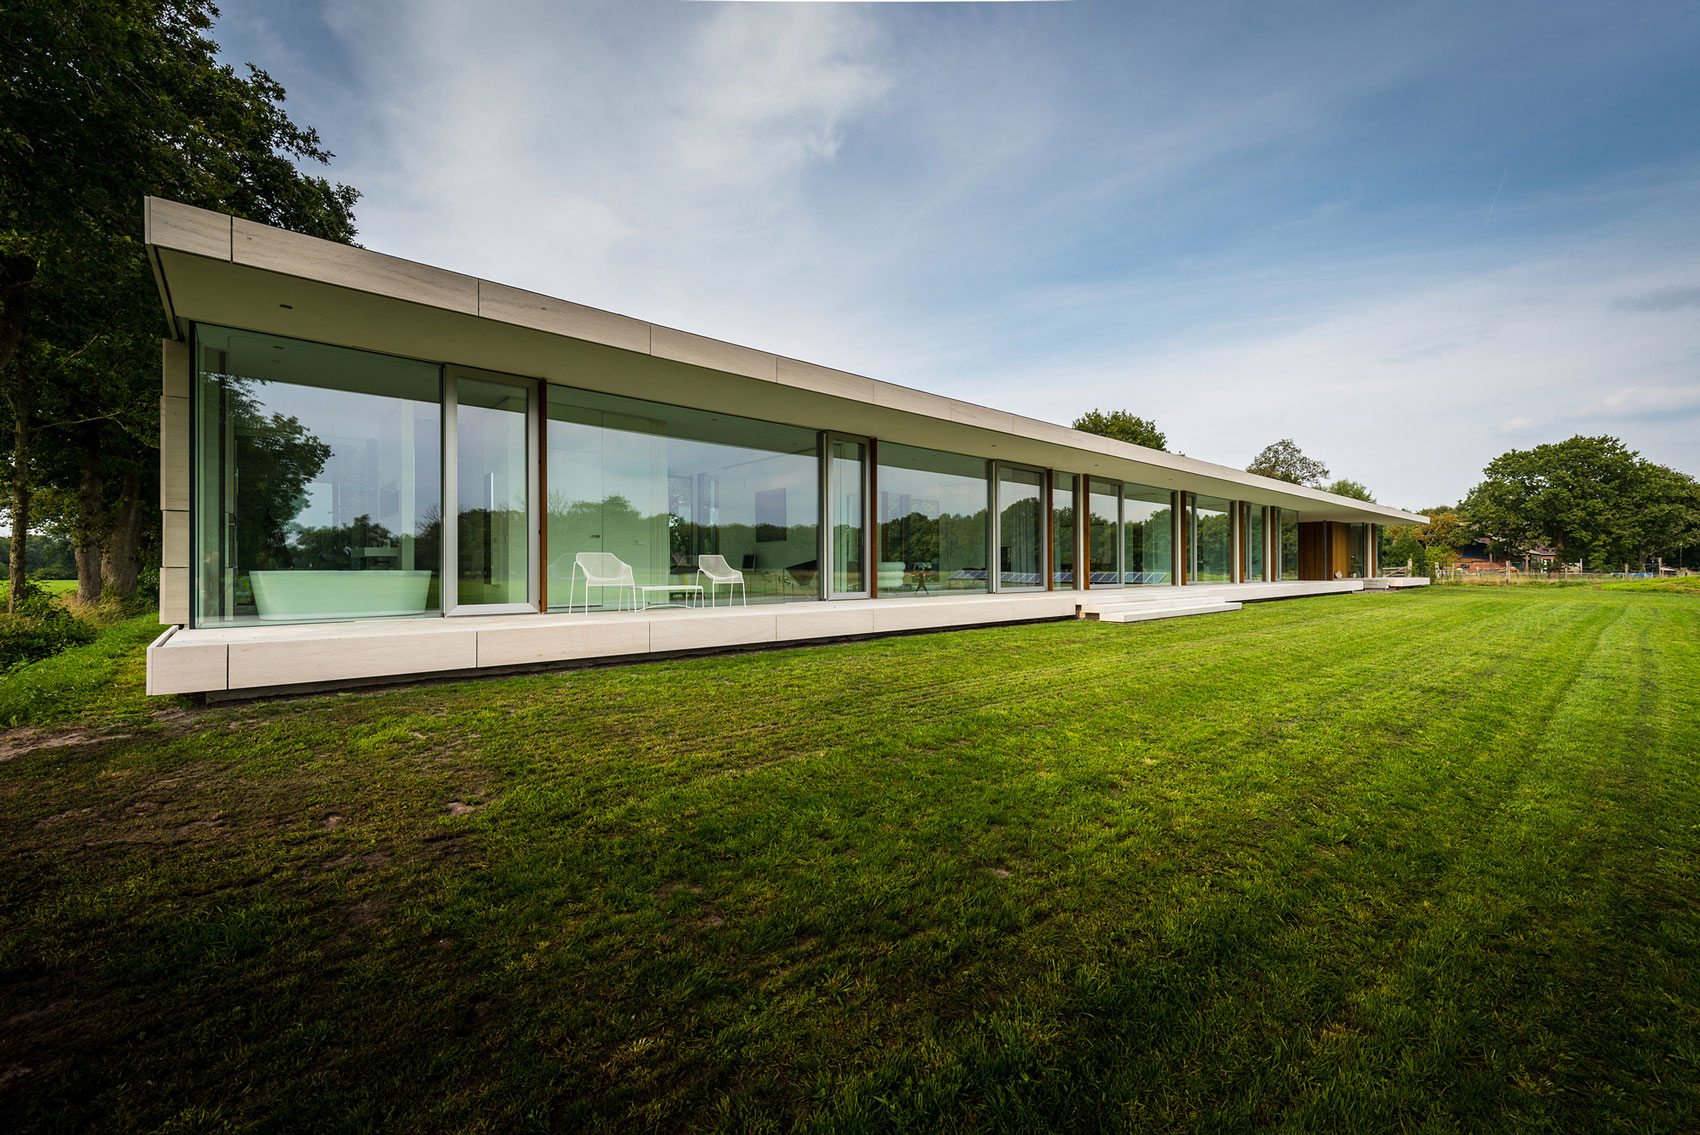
1212	537
1062	530
1289	544
1147	535
1357	550
1255	543
1021	526
1103	532
845	484
491	483
658	487
317	481
932	516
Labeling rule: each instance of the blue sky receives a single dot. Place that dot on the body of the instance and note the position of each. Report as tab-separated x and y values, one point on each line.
1408	236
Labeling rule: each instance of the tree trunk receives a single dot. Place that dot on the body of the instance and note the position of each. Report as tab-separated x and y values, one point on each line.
17	273
20	494
86	526
120	563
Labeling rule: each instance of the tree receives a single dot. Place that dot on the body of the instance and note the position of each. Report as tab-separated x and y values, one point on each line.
1348	488
1285	462
102	104
1123	426
1431	545
1591	498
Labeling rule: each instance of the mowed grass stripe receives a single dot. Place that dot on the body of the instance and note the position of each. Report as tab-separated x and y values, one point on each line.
1386	862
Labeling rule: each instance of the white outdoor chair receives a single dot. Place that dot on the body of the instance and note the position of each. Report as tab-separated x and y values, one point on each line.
602	569
718	572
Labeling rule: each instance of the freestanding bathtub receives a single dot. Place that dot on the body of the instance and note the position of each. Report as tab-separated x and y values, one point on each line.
300	596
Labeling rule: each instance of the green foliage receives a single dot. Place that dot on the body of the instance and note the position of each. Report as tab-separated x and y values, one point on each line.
39	626
1348	488
1123	425
1427	547
46	556
100	678
1284	461
1592	499
102	104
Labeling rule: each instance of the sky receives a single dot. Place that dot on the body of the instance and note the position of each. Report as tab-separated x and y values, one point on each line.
1409	237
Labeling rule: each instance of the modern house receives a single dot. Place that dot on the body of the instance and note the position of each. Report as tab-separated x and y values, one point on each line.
372	469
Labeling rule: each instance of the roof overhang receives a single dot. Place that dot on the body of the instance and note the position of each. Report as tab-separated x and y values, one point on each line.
213	268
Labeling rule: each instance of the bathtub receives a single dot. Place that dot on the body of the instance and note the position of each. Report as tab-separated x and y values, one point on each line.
300	596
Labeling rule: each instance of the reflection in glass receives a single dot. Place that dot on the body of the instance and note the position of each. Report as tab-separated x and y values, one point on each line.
657	486
317	481
1062	530
492	553
1289	543
1021	528
1212	539
844	481
1255	542
1147	535
1356	551
1103	532
932	517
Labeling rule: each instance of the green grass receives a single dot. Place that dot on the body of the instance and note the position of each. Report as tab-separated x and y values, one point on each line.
1408	862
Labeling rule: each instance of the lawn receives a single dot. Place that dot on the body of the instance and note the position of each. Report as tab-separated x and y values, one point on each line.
1407	862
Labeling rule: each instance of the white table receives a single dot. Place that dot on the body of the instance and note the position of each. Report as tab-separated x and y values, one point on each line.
667	591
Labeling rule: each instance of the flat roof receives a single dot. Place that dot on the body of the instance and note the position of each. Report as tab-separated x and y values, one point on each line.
215	268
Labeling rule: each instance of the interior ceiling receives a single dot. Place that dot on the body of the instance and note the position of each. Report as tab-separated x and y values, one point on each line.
199	289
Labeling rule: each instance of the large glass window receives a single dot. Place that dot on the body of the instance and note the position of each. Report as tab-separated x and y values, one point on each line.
492	503
318	480
932	518
1212	539
1021	528
1148	535
1103	532
1356	550
1062	530
656	486
1289	543
847	473
1256	542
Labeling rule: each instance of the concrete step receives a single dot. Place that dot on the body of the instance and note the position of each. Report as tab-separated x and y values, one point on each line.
1147	612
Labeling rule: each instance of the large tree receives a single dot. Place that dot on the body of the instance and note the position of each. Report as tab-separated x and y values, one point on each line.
1590	498
1345	487
1123	425
101	104
1284	461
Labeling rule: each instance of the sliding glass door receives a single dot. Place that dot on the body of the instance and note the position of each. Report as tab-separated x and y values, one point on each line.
846	484
490	470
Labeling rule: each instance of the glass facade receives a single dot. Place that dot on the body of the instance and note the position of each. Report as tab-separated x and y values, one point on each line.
323	477
1062	531
492	493
1256	542
1104	532
1148	535
657	486
846	487
1212	540
1021	528
932	521
317	482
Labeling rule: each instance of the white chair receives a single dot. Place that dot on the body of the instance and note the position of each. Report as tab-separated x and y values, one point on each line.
602	569
718	572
